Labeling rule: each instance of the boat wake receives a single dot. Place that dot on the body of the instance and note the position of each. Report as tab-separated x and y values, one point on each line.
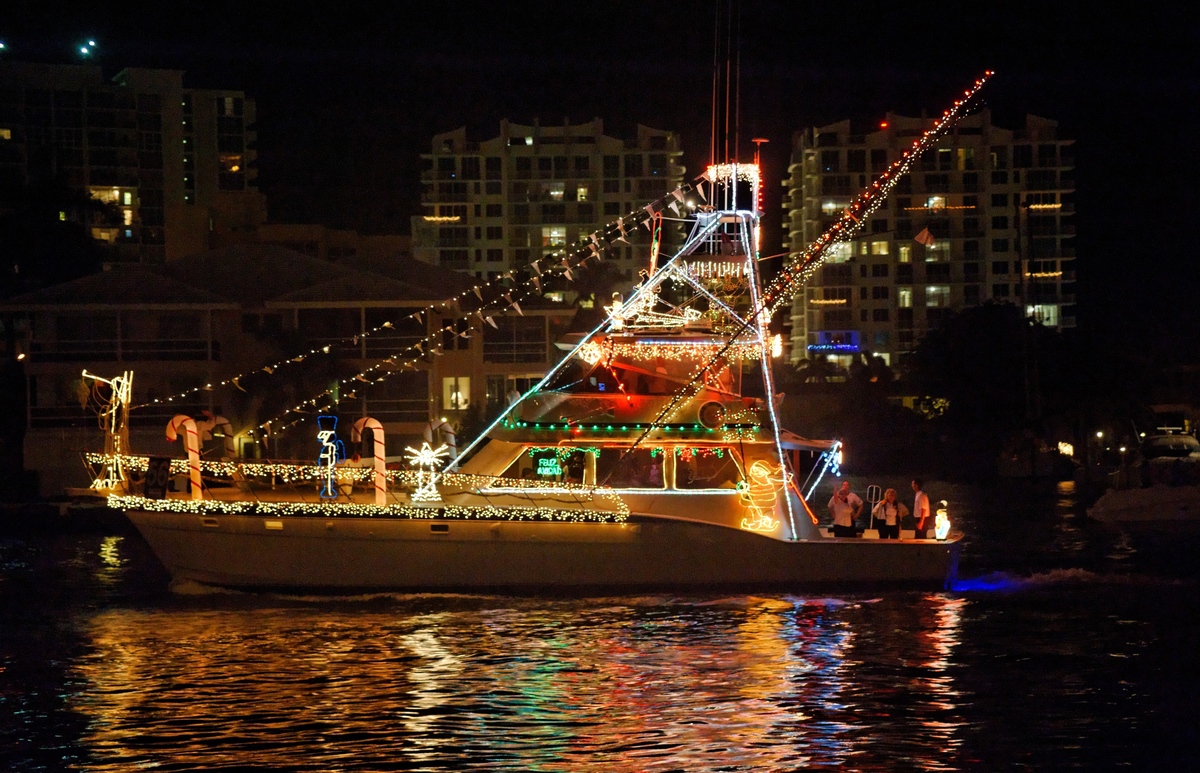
193	588
1008	581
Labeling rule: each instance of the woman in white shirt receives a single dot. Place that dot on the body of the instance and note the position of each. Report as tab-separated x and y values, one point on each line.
888	513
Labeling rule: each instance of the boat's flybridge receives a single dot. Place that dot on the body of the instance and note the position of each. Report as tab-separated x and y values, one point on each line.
671	396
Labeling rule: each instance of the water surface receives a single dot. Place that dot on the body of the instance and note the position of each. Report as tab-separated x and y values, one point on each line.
1064	646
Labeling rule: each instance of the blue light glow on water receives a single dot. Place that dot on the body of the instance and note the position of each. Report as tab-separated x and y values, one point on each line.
996	581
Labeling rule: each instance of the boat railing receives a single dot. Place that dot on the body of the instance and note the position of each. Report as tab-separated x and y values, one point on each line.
300	483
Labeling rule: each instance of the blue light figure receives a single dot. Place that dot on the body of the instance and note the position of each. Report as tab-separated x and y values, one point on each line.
332	452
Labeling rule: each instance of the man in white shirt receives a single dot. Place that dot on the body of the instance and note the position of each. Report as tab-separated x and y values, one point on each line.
920	508
844	507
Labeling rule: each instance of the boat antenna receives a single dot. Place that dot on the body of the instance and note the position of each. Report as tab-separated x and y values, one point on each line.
716	78
737	78
726	84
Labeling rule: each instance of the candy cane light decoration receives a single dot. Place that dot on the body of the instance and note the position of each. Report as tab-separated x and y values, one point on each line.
380	462
191	443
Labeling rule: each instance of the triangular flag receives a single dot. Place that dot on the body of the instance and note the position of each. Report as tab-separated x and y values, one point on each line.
478	294
537	283
508	297
924	237
268	369
569	277
234	381
678	194
517	306
674	205
492	322
536	267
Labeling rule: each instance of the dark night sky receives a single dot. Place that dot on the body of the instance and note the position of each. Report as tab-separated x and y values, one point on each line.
348	95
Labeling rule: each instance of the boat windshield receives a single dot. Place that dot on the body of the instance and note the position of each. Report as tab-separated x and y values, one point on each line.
640	468
1170	446
556	463
706	468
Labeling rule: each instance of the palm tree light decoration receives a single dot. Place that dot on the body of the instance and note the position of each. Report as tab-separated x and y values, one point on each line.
427	460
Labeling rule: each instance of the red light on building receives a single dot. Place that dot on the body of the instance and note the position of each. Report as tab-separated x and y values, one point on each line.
883	124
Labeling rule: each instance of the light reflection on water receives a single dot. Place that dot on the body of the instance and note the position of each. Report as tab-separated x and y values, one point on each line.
645	683
1043	657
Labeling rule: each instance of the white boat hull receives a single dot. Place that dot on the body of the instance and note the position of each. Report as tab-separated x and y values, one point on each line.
391	553
1154	507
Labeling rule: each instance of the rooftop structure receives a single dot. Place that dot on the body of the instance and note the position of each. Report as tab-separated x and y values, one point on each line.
200	332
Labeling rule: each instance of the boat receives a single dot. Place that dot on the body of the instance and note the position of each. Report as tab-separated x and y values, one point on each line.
650	456
1159	491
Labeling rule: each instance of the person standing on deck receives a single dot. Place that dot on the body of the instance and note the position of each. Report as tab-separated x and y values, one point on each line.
889	511
920	508
845	507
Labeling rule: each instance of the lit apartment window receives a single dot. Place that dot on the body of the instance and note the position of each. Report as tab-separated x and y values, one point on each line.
581	193
904	251
555	191
879	248
831	207
456	392
1047	314
938	251
862	248
937	296
5	134
554	236
935	202
904	297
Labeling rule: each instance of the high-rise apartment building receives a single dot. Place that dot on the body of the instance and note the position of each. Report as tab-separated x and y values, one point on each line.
177	163
986	215
499	204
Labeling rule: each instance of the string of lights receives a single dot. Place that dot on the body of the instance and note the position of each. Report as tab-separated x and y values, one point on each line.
802	266
558	262
553	513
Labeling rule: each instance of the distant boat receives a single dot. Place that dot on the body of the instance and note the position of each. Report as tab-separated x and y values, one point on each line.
1169	466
